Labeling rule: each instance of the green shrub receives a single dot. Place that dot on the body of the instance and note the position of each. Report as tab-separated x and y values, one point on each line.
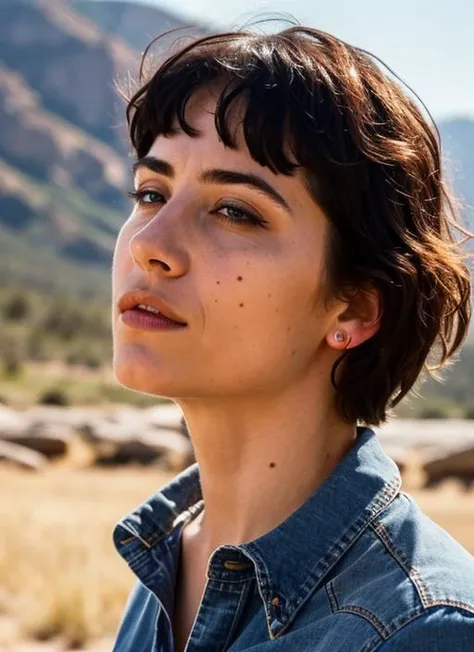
89	359
16	308
92	361
469	412
54	396
12	363
433	413
36	348
62	321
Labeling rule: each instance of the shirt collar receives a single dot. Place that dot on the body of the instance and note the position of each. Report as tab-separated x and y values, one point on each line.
291	560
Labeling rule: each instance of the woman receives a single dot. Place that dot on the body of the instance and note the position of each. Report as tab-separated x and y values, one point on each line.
286	270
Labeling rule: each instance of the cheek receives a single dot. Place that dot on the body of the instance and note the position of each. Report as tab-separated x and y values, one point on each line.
122	265
122	260
256	293
258	332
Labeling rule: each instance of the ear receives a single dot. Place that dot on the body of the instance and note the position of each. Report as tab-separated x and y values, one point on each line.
357	322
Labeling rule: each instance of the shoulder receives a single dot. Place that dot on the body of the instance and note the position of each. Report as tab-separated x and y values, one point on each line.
440	569
407	577
436	629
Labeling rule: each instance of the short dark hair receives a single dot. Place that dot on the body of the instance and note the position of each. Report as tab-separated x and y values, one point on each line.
371	161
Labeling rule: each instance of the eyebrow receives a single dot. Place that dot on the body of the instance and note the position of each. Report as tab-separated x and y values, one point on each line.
216	176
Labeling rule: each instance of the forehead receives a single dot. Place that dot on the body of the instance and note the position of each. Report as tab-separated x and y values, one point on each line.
206	149
200	113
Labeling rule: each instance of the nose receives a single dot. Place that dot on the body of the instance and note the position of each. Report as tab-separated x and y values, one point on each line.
159	246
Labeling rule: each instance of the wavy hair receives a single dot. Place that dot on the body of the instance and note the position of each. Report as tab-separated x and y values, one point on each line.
371	161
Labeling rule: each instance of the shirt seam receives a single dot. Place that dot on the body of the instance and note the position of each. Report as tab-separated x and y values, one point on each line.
355	610
237	613
262	585
423	592
414	616
332	597
152	539
366	615
380	503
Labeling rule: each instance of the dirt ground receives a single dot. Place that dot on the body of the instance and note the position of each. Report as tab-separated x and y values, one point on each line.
62	583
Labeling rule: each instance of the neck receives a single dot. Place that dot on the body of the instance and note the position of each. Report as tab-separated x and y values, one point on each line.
260	459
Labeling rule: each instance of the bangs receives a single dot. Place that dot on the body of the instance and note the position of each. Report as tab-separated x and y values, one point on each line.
289	117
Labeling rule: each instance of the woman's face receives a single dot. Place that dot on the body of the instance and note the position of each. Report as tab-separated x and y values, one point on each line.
242	265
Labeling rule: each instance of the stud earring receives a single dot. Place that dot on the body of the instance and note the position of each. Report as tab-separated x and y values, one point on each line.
340	336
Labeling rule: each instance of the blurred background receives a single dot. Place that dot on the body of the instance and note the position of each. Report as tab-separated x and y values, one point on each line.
77	451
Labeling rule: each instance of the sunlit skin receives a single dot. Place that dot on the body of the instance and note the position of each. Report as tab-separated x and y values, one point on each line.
251	371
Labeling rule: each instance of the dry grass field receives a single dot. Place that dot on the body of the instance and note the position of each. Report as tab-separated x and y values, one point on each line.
62	583
60	576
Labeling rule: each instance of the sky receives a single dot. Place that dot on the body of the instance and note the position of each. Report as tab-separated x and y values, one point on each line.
428	43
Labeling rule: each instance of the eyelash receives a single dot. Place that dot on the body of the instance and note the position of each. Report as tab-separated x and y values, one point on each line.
138	197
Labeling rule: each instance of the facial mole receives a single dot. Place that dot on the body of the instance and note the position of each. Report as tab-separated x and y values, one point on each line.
218	282
293	352
241	305
239	278
272	465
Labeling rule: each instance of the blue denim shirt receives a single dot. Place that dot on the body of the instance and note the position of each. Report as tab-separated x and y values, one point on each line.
357	568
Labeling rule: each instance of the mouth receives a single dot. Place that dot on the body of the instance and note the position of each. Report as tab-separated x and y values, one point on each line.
149	307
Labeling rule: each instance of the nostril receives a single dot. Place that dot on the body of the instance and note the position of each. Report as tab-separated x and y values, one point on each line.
154	262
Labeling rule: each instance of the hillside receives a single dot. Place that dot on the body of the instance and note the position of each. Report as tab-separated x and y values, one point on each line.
63	179
457	135
63	151
136	24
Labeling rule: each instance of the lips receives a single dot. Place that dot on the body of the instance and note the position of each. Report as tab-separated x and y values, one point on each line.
133	299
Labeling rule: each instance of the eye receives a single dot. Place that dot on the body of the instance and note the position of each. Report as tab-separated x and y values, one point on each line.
146	196
238	215
235	214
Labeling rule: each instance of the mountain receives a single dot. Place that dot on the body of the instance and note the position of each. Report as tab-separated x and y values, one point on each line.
457	138
136	24
63	147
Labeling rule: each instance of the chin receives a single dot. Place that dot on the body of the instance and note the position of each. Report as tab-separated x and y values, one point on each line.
138	374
